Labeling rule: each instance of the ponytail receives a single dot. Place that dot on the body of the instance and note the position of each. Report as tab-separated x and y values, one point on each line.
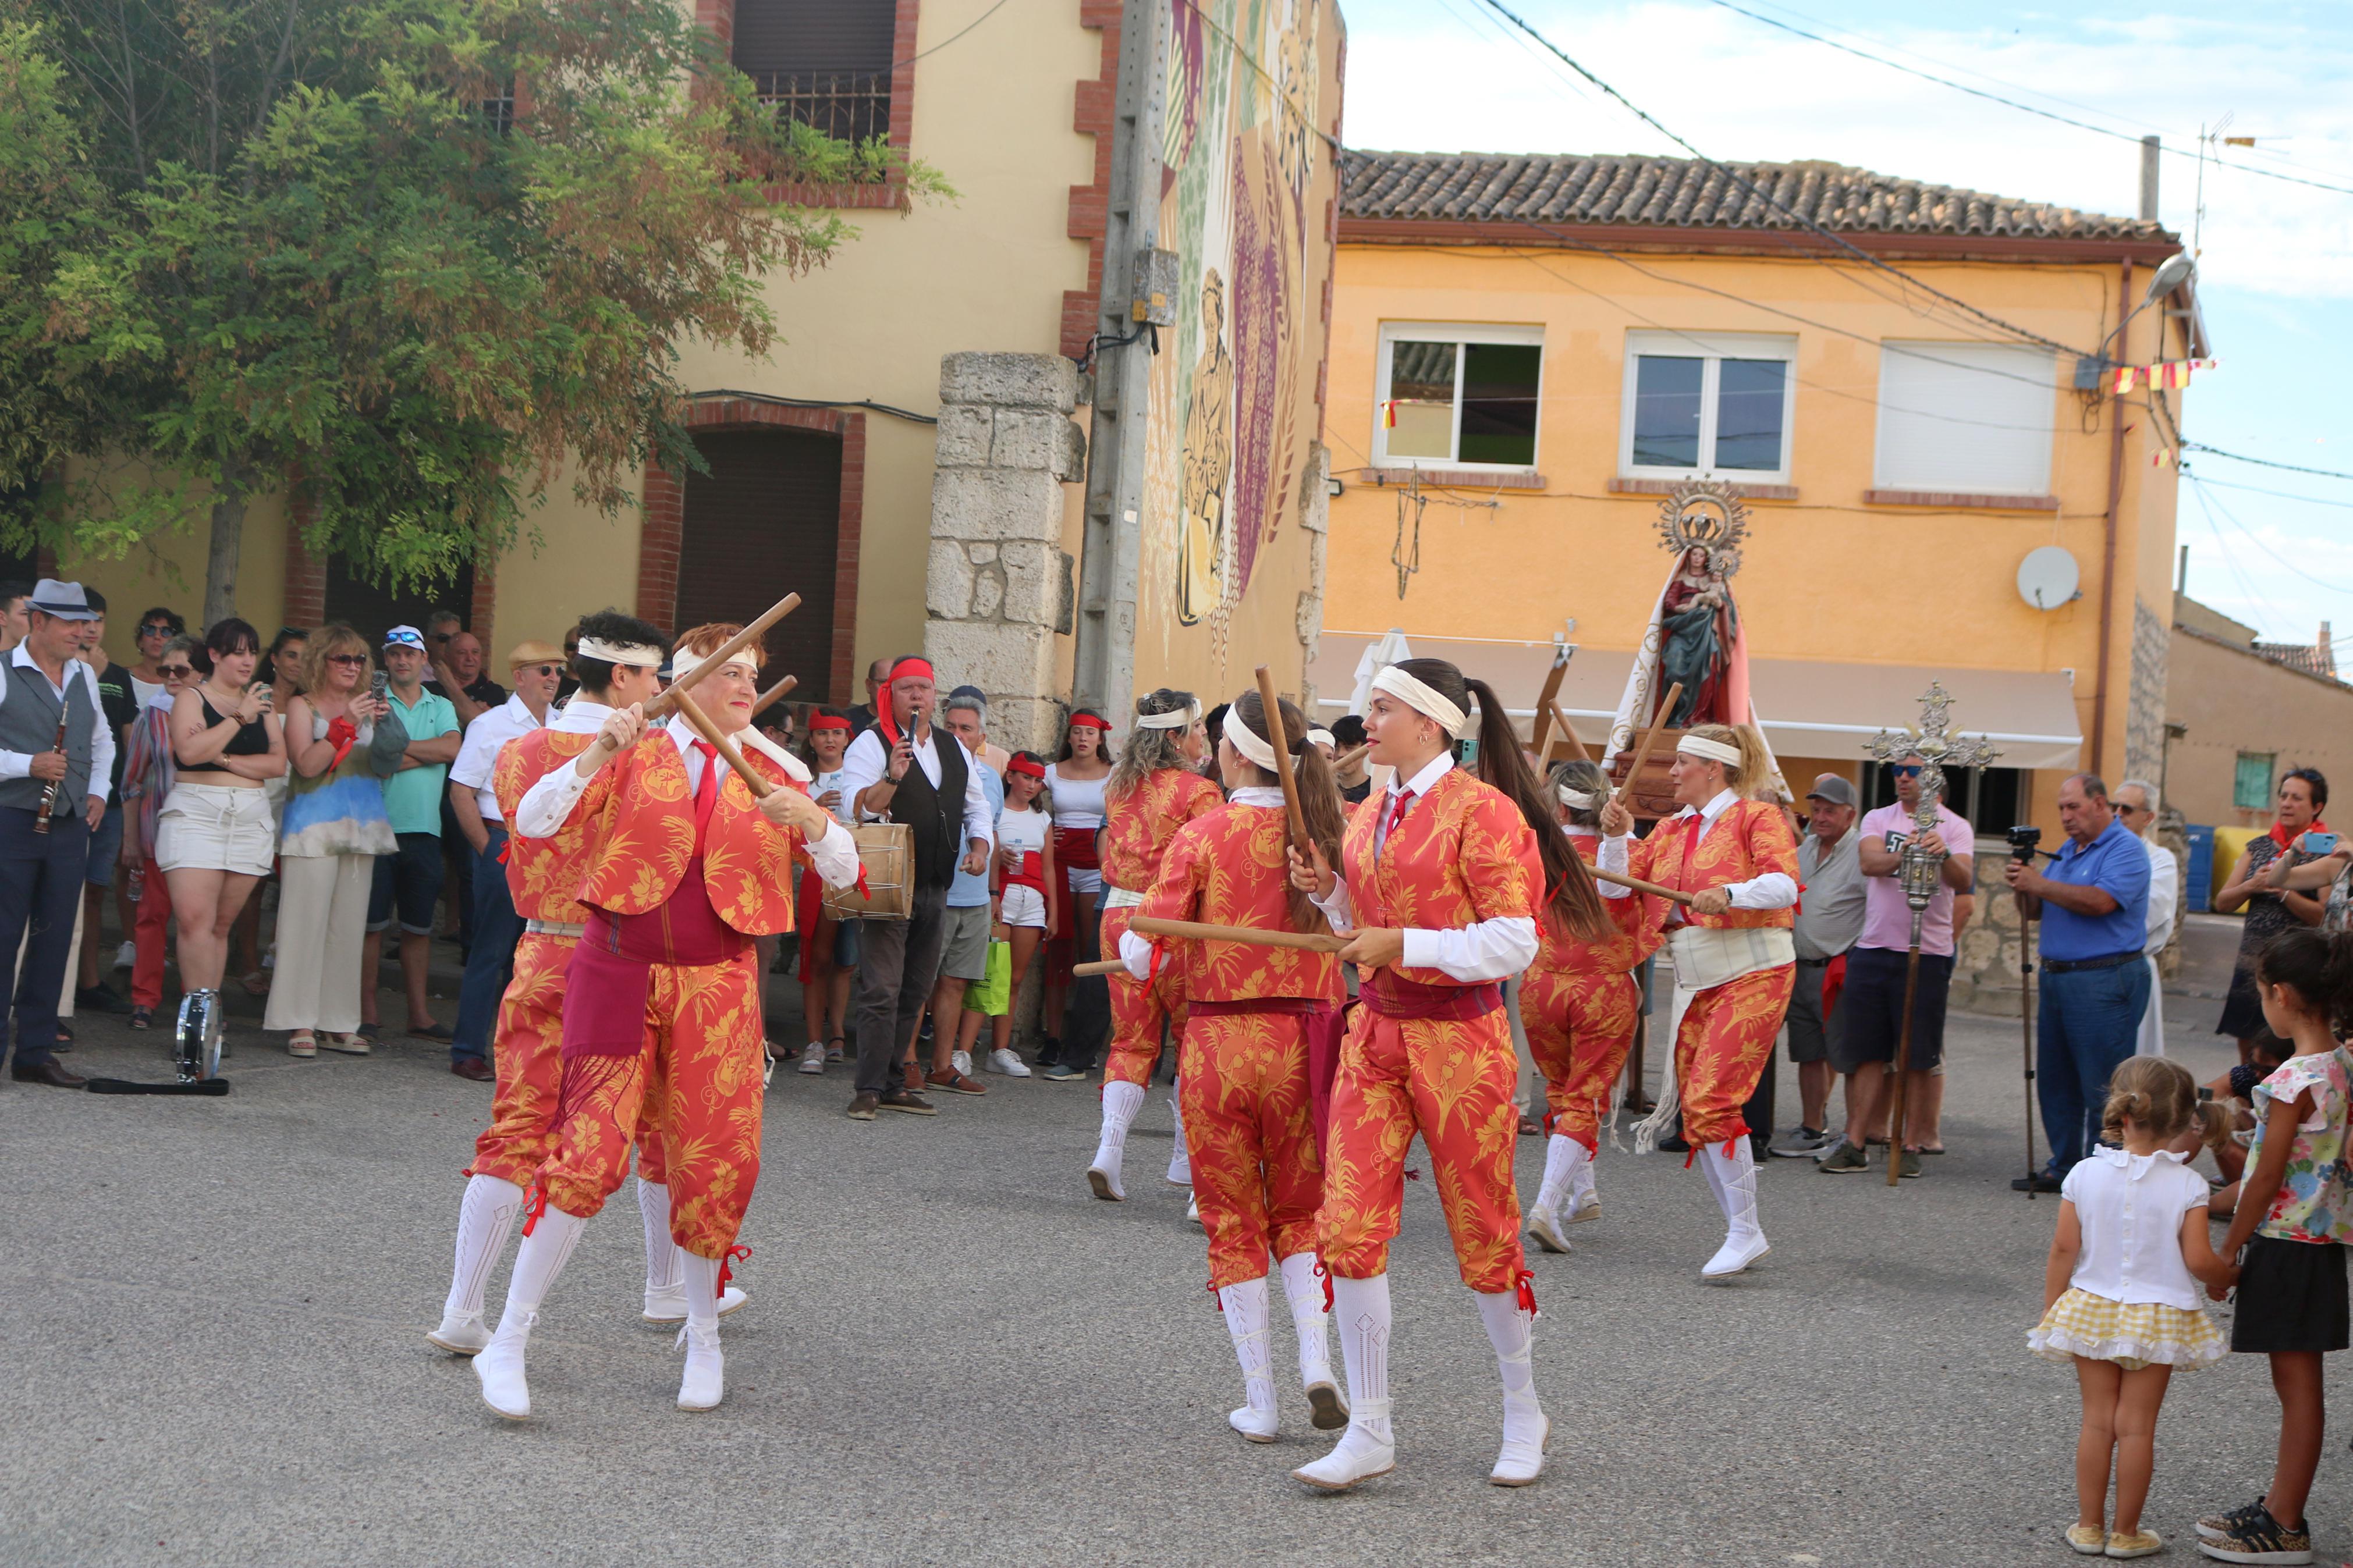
1754	771
1319	794
1569	895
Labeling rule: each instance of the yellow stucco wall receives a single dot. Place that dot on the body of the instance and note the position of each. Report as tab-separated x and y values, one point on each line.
1825	577
168	568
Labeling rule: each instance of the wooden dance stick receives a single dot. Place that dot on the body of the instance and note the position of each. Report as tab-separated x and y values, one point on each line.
768	699
675	695
1195	930
1351	757
1650	739
1279	738
1546	714
692	712
1620	879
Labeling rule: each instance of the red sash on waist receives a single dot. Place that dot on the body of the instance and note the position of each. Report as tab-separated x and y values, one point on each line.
1391	995
1031	873
1076	846
1301	1006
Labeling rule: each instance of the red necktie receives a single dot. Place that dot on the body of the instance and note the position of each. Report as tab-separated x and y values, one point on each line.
706	793
1396	816
1691	853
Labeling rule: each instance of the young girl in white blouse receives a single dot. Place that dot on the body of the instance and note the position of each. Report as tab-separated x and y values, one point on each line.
2119	1296
1029	893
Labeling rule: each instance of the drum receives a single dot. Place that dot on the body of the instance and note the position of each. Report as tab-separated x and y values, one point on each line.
886	853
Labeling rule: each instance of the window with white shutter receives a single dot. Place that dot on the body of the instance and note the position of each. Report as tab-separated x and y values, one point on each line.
1966	419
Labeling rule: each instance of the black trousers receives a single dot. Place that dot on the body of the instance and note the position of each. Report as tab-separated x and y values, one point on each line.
897	963
40	886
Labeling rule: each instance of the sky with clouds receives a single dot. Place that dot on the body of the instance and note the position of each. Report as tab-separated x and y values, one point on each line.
2275	258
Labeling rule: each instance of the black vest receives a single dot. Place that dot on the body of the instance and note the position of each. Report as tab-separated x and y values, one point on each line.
936	814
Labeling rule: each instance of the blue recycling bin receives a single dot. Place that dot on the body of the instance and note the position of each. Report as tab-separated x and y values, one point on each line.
2202	868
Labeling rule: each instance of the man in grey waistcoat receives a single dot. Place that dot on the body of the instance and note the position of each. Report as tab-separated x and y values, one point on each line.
42	687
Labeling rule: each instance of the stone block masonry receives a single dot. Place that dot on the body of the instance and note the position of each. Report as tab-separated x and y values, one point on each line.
997	581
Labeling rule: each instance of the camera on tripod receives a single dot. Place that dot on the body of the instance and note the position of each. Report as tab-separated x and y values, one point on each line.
2022	841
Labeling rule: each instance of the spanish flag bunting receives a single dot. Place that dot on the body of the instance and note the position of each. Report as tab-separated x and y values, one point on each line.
1388	414
2168	374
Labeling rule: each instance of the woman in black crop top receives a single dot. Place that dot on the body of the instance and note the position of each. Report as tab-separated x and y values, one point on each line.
217	832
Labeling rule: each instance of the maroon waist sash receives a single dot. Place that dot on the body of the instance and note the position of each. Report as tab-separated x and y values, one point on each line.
1302	1006
1391	995
611	972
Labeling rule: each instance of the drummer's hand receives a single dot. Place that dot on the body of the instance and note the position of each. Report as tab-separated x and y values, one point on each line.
1373	946
1616	820
1712	901
976	859
792	810
1311	872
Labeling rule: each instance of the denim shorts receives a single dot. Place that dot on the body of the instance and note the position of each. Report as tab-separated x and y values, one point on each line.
105	848
410	880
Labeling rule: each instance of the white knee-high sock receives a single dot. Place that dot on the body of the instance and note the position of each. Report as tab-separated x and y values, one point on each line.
1362	1307
1121	1101
1560	1153
1247	1321
486	1217
702	1280
540	1258
1180	1159
661	1252
1511	1330
1305	1289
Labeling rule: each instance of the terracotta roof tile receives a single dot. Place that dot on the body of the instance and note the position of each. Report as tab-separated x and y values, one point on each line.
1684	193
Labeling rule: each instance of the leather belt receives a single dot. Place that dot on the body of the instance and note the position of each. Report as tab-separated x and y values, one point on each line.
2107	961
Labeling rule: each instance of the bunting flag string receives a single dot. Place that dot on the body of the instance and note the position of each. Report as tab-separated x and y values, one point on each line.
2168	376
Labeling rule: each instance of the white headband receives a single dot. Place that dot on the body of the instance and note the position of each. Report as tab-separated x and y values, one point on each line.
1247	741
1322	738
1577	800
1184	717
1714	751
682	665
640	655
1421	700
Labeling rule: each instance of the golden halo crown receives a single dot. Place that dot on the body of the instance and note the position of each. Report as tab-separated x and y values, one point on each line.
1705	514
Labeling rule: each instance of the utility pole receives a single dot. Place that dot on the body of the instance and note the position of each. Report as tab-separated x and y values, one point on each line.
1132	305
2150	149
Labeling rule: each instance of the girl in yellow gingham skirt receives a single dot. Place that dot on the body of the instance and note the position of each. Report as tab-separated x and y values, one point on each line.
2119	1298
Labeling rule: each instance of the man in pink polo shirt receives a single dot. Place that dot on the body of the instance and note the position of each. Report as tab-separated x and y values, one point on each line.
1871	1007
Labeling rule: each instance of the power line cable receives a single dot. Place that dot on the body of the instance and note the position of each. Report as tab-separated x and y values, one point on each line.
2258	541
952	38
2012	103
2262	462
1765	197
2255	598
2282	495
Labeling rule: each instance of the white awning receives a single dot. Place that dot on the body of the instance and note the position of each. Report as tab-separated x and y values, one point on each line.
1809	708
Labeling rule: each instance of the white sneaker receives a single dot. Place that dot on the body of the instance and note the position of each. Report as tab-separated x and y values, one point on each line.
499	1367
962	1062
705	1384
1357	1456
127	955
1003	1060
1193	1210
461	1333
813	1056
1522	1460
667	1307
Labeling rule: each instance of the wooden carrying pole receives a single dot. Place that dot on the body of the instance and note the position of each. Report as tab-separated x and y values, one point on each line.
1569	733
1650	739
692	712
1546	714
770	697
1280	738
675	695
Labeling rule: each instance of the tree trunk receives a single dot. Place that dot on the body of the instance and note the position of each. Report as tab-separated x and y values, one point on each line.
228	536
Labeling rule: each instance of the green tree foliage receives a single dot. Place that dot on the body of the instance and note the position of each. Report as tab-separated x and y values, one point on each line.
420	257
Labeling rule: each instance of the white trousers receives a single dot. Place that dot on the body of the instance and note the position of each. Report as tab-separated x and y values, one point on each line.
323	903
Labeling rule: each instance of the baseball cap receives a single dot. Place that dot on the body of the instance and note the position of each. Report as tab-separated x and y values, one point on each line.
1835	790
405	637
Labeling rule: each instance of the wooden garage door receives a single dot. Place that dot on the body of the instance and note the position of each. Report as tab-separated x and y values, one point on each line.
763	522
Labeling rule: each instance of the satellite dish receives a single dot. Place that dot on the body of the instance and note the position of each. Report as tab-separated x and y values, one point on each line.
2047	578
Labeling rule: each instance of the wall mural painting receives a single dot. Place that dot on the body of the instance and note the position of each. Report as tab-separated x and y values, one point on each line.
1232	399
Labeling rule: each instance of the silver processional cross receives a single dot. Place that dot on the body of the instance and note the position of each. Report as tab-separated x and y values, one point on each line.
1937	748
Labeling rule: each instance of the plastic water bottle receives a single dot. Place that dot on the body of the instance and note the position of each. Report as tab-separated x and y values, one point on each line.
138	888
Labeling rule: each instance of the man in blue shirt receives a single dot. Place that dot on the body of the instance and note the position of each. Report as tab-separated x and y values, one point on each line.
2093	906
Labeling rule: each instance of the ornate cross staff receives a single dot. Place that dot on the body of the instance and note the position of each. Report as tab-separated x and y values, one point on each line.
1921	871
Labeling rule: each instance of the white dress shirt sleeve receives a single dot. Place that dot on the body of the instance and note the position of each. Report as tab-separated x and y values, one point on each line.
547	805
1773	891
1337	907
861	770
977	823
2164	893
835	857
102	740
1483	950
13	764
1612	858
1135	951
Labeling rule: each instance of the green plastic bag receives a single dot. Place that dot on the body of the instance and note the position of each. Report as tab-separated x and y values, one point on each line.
993	994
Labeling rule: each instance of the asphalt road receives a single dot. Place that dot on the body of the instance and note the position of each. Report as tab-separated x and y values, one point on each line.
954	1354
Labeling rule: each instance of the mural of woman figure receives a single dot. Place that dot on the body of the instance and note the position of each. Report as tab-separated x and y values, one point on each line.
1209	463
1697	625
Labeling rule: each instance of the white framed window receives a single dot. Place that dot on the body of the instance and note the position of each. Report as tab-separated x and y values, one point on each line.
1966	419
1705	405
1458	396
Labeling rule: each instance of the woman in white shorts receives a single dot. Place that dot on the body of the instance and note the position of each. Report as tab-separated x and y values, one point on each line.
1025	868
216	835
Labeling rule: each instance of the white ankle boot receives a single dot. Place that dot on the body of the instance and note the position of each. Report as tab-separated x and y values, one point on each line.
486	1217
1584	1202
704	1383
665	1279
1180	1162
538	1261
1368	1449
1545	1221
1305	1287
1527	1431
1121	1101
1735	1181
1246	1313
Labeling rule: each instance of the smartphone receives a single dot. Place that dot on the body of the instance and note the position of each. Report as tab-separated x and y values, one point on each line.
2319	843
2205	1093
377	683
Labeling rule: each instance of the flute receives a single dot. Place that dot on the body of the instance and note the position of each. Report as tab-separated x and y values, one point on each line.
49	796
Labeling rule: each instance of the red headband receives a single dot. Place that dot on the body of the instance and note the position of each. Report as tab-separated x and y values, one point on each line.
827	721
913	668
1034	770
1089	722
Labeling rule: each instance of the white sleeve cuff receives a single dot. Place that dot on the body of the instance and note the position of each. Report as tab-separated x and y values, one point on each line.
835	857
547	805
1613	858
1773	891
15	764
1335	908
1135	951
1483	950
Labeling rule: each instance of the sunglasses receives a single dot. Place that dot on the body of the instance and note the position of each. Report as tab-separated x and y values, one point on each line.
156	630
1906	770
176	672
547	671
347	659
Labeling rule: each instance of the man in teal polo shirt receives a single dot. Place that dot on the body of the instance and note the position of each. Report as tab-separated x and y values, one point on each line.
408	882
